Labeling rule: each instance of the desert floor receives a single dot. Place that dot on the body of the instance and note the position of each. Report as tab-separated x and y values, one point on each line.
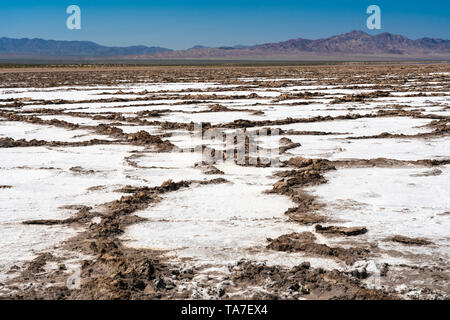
120	182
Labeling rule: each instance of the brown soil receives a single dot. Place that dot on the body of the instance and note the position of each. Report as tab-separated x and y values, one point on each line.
387	163
208	169
333	230
11	143
304	281
287	144
361	97
305	242
305	215
410	241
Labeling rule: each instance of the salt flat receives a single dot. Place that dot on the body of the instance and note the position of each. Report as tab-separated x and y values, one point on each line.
114	172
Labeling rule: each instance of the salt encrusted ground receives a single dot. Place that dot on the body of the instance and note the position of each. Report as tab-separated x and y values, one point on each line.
72	144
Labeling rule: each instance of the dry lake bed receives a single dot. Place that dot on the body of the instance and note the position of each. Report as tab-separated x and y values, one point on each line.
288	182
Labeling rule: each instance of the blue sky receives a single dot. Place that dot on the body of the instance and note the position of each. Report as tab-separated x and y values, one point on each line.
183	24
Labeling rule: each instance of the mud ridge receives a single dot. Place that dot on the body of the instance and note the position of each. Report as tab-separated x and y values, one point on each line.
305	242
303	281
410	241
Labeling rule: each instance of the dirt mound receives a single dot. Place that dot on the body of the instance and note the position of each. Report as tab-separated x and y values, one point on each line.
410	241
300	95
208	169
305	242
305	218
11	143
313	164
140	138
352	231
361	97
219	108
293	180
144	138
287	144
303	281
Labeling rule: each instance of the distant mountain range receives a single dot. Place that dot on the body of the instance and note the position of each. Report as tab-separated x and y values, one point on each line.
348	44
40	47
352	43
